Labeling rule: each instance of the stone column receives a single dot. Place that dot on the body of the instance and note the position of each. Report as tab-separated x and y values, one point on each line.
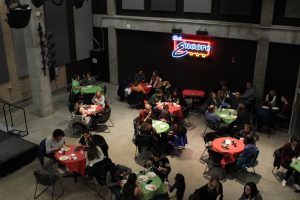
267	9
40	83
260	69
113	55
111	7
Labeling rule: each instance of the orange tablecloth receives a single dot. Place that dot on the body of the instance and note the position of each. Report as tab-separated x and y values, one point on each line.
78	165
147	87
193	93
93	109
175	109
231	152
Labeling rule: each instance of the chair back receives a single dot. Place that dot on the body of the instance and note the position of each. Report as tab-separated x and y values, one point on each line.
210	124
45	179
77	118
277	158
253	158
186	112
164	196
143	140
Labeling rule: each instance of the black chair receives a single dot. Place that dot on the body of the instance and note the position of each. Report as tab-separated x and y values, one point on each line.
142	140
211	125
208	138
42	153
47	180
136	99
164	196
103	118
277	165
186	115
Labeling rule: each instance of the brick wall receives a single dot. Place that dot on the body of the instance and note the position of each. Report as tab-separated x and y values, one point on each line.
18	88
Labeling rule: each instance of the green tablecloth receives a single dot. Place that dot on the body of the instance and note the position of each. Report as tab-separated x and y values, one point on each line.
160	126
149	194
296	166
227	115
91	89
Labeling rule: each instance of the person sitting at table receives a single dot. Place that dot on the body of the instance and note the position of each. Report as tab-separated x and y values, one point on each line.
98	140
290	151
244	158
114	176
53	143
213	190
242	117
250	192
94	156
157	97
179	135
140	77
99	99
124	85
165	115
221	100
248	97
264	116
176	97
212	100
211	116
131	191
226	92
88	80
75	87
159	164
79	110
155	80
284	113
247	131
145	114
271	98
235	100
166	88
176	191
136	87
147	128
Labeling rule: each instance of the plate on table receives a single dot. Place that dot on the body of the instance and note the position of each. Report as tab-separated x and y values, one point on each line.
275	108
162	126
62	158
150	187
89	86
66	148
151	174
142	178
223	115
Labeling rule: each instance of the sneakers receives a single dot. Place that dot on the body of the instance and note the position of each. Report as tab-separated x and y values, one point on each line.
283	183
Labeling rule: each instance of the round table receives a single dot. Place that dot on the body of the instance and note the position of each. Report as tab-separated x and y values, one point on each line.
296	165
231	152
150	194
160	126
193	93
174	109
90	89
77	165
147	87
227	115
93	109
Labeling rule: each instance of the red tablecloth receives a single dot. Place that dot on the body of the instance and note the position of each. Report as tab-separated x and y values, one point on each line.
174	109
78	165
93	109
147	87
231	152
193	93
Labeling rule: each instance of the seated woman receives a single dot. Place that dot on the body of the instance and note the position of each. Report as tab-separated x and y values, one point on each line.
131	191
176	191
179	135
145	114
114	175
99	99
176	97
271	98
165	115
155	80
166	88
160	165
79	110
213	190
289	152
89	80
250	192
94	156
247	131
222	100
98	140
212	100
244	158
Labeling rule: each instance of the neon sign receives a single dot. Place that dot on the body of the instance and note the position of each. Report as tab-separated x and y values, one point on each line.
192	47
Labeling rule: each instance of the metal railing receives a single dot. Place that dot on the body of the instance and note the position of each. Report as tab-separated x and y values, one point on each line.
7	110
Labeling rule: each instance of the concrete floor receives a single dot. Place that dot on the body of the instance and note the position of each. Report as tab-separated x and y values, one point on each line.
20	184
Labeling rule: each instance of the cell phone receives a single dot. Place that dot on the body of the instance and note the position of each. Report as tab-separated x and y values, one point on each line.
150	181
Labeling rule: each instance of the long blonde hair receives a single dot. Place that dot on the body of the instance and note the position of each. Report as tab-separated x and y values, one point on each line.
210	185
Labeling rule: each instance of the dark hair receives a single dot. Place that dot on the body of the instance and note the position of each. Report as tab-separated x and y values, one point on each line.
157	154
180	186
249	140
93	152
58	132
159	91
80	101
132	177
253	188
294	139
75	76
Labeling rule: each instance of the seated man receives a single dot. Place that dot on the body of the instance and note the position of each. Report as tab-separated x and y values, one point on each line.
165	115
211	116
247	131
246	156
140	76
98	140
157	97
160	165
99	99
136	87
114	175
249	95
145	114
89	80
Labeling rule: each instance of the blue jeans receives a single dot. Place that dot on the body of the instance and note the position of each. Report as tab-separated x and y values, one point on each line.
117	192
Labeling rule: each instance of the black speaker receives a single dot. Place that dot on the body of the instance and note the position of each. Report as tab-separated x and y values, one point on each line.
99	65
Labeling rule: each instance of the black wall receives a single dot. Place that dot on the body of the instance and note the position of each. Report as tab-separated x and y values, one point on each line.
149	51
283	67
